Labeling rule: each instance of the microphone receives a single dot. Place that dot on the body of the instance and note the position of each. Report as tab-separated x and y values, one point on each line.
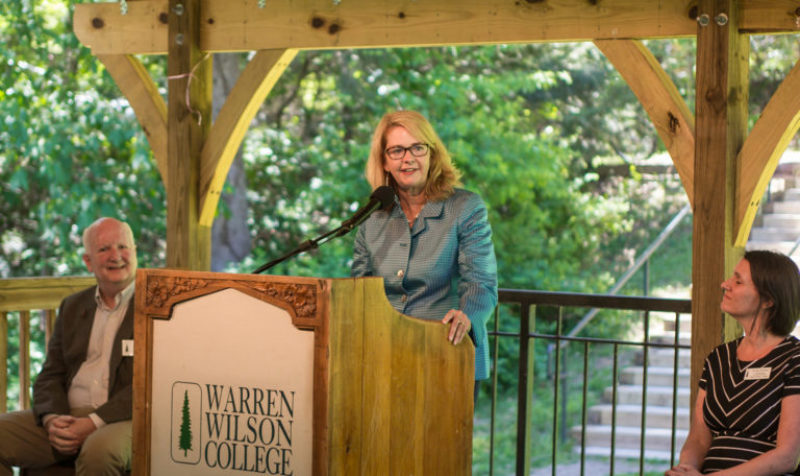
380	198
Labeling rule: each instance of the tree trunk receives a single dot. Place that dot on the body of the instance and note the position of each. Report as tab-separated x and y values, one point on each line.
230	235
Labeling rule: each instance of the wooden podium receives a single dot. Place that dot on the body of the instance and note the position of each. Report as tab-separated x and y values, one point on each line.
239	373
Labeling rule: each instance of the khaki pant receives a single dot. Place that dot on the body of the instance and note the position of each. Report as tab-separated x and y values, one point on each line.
23	443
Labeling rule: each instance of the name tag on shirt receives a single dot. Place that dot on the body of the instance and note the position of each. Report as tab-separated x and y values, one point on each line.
757	373
127	347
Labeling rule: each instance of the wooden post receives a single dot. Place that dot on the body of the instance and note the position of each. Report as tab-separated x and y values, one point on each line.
49	325
188	120
4	361
24	360
721	124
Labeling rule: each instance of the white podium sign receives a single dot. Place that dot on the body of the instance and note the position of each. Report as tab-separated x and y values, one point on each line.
232	389
238	374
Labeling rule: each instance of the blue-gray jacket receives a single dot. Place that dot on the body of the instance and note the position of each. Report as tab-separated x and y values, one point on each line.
446	261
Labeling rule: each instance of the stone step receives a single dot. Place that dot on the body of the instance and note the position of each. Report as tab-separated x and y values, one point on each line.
668	338
784	246
686	324
786	206
788	221
773	234
628	437
631	415
649	454
791	194
666	357
656	395
656	376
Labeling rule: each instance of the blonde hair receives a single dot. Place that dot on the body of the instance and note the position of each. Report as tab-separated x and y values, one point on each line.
443	176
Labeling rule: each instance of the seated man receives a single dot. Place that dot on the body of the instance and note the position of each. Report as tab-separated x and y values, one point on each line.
82	401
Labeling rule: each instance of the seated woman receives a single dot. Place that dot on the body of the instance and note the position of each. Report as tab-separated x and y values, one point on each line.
747	415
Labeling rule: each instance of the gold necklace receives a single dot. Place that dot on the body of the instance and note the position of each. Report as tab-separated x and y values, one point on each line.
412	218
409	208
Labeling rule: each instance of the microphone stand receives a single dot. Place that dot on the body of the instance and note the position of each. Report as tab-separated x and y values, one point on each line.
381	197
307	245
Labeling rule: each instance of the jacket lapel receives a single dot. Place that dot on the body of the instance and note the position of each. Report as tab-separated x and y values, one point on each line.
125	332
430	210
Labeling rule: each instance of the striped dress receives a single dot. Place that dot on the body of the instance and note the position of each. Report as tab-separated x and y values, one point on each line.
743	401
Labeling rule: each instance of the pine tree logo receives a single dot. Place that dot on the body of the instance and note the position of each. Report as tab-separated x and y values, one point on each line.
187	406
186	426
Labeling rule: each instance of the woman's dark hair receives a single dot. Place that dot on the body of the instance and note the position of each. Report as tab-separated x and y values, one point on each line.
776	278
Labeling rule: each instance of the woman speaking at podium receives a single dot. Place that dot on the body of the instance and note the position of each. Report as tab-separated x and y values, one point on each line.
433	245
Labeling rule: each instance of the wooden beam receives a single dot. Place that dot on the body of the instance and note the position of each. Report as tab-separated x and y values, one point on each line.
721	116
21	294
4	361
143	96
256	81
321	24
763	148
661	100
769	16
188	118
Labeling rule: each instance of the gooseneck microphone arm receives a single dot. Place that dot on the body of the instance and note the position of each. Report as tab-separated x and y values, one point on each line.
380	198
304	246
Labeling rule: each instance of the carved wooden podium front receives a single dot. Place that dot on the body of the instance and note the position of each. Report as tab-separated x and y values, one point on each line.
238	373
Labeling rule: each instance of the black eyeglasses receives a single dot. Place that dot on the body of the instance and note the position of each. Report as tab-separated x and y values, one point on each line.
398	152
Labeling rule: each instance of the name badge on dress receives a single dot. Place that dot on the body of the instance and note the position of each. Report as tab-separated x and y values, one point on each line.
127	347
757	373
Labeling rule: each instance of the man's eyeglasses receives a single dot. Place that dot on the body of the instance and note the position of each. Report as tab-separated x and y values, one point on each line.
398	152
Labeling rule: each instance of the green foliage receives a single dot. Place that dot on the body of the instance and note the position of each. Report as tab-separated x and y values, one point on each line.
548	233
72	150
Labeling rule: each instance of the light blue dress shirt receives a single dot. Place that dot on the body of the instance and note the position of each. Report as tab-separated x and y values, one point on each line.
446	261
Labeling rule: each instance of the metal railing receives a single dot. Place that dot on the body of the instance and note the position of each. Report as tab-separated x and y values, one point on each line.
548	312
523	319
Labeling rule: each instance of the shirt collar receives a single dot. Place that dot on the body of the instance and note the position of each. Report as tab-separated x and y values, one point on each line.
429	210
121	298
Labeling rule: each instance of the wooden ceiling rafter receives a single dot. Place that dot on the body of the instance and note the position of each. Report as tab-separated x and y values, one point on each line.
228	130
669	113
142	94
763	148
322	24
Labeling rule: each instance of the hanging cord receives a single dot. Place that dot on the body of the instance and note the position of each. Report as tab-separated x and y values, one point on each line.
263	3
190	75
